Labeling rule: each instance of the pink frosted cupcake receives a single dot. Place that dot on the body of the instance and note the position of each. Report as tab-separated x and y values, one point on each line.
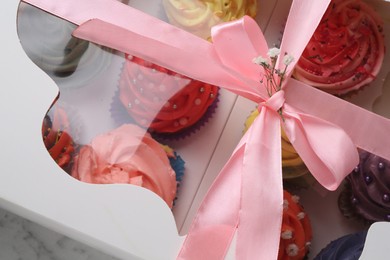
127	155
346	51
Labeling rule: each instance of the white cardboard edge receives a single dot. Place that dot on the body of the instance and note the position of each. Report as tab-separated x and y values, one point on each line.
150	234
124	229
377	242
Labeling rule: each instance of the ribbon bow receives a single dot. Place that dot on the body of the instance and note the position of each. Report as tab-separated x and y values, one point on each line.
253	175
247	194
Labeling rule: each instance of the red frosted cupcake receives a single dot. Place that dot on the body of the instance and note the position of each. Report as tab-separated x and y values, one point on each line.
161	100
57	137
346	51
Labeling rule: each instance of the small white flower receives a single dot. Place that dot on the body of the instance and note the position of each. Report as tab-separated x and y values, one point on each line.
260	61
287	59
273	52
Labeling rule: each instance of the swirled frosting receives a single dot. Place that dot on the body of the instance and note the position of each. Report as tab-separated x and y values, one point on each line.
161	100
296	230
198	16
367	191
127	155
48	42
57	138
346	51
348	247
292	164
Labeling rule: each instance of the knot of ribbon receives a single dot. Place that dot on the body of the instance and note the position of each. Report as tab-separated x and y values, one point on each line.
275	102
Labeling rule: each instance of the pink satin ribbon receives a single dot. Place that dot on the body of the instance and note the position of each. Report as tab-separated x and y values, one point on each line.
247	194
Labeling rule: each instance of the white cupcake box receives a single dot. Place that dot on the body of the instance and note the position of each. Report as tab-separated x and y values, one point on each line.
123	220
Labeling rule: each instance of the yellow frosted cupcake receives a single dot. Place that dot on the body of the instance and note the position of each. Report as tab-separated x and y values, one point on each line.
198	16
292	164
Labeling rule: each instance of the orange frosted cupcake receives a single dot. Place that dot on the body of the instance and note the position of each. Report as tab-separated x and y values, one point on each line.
346	51
296	230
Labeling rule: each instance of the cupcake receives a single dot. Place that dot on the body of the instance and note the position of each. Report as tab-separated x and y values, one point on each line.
57	137
164	102
129	155
348	247
296	231
69	61
366	194
346	51
292	164
199	16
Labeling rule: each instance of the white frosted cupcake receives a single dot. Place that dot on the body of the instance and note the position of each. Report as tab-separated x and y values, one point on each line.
199	16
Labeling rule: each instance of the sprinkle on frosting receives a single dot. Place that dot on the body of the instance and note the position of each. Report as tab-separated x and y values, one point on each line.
168	102
367	190
296	231
346	50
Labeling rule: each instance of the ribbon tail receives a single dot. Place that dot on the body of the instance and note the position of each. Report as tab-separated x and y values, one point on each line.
261	211
357	122
216	221
328	152
302	21
247	195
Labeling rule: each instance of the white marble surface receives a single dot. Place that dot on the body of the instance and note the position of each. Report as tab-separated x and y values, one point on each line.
21	239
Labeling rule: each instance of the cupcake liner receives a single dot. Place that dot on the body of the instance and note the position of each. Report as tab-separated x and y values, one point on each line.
347	247
178	165
187	132
346	206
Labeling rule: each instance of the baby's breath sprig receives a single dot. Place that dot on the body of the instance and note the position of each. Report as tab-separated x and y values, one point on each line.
273	77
